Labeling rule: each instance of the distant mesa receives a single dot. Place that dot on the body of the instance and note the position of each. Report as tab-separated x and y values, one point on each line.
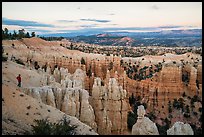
103	35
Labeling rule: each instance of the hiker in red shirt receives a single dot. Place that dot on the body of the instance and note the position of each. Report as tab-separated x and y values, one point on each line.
19	80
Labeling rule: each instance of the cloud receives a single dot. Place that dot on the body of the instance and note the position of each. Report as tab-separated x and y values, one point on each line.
169	27
89	30
88	25
92	27
112	29
129	29
112	24
24	23
111	14
39	30
66	21
155	7
96	20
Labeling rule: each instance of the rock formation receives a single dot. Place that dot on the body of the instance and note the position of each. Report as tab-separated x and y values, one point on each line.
179	128
71	101
110	107
144	126
66	94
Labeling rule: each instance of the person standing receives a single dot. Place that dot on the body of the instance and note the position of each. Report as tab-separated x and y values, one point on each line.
19	80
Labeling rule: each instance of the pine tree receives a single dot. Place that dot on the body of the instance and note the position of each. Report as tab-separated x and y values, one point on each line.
3	34
21	33
83	61
33	34
27	35
6	35
15	35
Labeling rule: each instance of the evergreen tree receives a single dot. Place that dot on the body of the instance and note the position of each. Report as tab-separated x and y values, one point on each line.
71	46
3	35
83	61
27	35
10	36
110	66
15	34
170	107
33	34
21	33
89	73
6	35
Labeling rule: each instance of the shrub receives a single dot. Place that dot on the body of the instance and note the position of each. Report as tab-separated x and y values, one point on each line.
145	105
19	61
195	99
170	116
89	72
2	49
184	94
176	104
102	83
197	83
196	130
4	59
185	78
200	109
110	66
45	127
168	122
162	129
121	62
200	119
187	109
83	61
71	46
169	107
186	115
131	120
132	99
36	66
195	113
151	116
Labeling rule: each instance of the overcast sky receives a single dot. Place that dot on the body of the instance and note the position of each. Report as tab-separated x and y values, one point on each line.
49	17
